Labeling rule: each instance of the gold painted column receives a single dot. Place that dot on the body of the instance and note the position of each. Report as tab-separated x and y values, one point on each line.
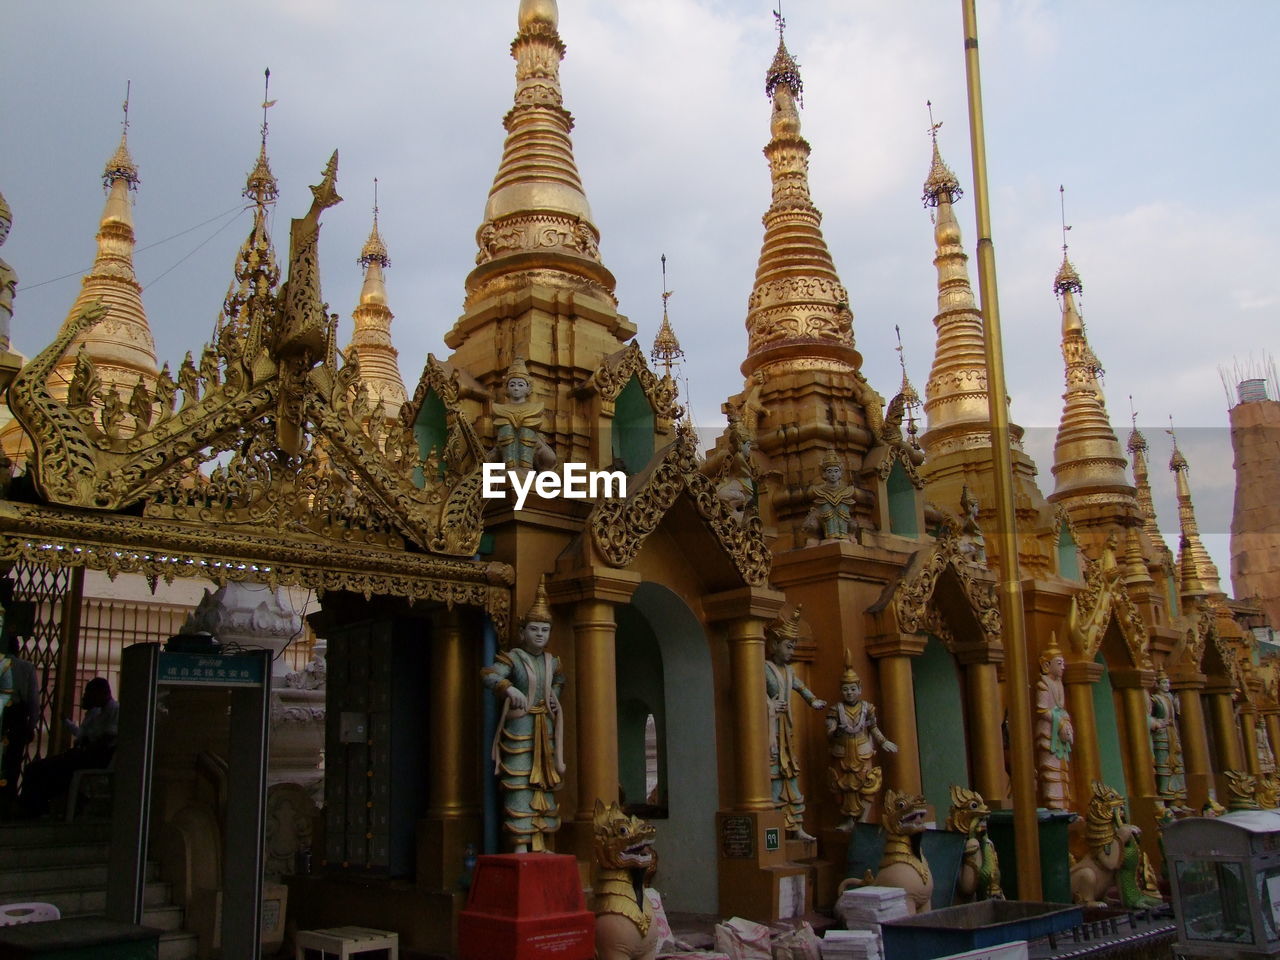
1222	720
593	594
1086	762
596	690
982	688
751	789
1249	734
1195	737
1133	685
452	818
1272	721
897	714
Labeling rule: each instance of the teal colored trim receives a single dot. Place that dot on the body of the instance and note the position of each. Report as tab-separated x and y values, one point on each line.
1068	554
902	502
1104	716
640	692
940	728
633	428
430	430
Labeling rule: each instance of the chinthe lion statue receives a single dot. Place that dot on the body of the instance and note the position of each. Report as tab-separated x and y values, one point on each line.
625	862
979	867
903	863
1114	854
1243	790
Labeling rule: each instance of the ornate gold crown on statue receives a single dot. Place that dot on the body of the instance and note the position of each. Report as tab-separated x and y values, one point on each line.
517	369
850	675
831	460
786	627
540	612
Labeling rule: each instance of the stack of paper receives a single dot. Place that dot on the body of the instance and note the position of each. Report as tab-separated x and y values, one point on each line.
851	945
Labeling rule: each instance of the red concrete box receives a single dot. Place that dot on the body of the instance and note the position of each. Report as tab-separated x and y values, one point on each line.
526	906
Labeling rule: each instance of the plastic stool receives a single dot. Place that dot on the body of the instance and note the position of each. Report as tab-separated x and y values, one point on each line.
348	943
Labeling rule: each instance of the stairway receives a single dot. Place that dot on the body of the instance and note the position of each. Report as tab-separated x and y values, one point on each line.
48	861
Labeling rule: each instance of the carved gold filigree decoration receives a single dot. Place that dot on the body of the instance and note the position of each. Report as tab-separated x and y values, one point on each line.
915	606
1103	599
616	372
620	527
306	452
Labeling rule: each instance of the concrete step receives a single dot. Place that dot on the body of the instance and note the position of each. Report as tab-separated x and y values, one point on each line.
179	946
77	900
26	879
29	834
53	855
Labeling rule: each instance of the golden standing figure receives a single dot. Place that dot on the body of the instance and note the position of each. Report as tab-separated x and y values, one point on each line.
853	733
528	748
1166	745
779	680
1054	733
831	516
518	425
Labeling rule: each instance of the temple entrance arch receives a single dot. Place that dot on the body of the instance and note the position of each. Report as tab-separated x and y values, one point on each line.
680	695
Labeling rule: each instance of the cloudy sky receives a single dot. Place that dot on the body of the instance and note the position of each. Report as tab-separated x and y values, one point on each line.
1160	126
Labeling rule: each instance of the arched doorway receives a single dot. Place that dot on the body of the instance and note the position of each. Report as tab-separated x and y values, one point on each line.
658	623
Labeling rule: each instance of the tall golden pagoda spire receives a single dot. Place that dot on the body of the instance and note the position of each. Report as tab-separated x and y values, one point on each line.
379	367
539	291
1088	465
121	347
666	347
256	271
955	403
1137	447
798	309
1193	559
536	204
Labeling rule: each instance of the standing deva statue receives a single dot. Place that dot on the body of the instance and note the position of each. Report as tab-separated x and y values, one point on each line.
1054	733
779	680
528	748
518	425
831	516
853	734
1166	746
8	278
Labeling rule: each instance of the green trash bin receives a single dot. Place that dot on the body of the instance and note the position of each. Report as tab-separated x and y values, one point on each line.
1055	865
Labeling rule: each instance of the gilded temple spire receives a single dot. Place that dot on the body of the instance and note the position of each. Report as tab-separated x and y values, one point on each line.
1088	465
666	348
1137	447
537	204
122	350
956	393
798	308
256	270
371	340
1193	558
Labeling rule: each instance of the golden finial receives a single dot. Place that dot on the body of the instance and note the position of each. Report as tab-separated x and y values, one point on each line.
261	186
374	250
784	69
538	11
1136	440
910	398
666	348
1176	460
540	612
1067	280
121	165
941	180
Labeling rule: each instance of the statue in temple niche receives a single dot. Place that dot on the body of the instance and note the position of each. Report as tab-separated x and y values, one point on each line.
1266	756
518	425
8	277
853	734
972	543
780	680
1166	745
736	478
1054	733
528	748
831	516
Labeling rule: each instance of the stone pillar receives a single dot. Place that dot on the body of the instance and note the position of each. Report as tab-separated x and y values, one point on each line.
982	687
1272	721
1086	762
453	724
898	707
592	594
1195	738
1133	685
